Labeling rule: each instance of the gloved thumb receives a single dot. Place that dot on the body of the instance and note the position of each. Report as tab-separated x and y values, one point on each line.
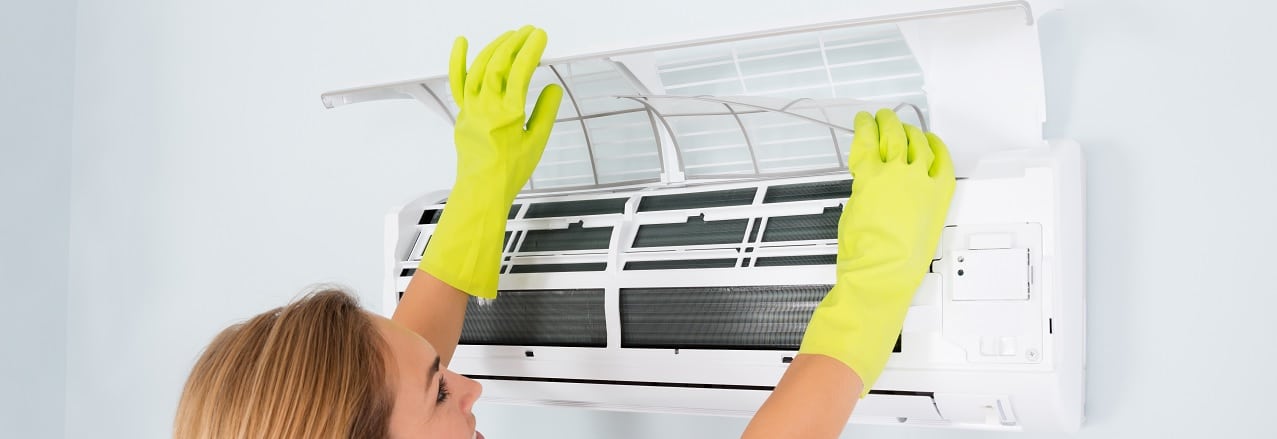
544	114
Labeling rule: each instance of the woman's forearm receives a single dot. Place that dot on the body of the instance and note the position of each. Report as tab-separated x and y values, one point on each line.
814	399
435	310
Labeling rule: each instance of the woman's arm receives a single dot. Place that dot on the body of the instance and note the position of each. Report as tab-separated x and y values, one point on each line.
813	400
887	234
434	310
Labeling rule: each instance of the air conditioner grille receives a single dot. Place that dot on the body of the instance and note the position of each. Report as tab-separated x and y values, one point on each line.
680	264
736	317
803	227
785	261
575	237
696	231
698	200
572	318
782	193
576	208
558	268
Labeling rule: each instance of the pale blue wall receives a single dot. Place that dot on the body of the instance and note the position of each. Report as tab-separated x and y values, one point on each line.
37	56
210	184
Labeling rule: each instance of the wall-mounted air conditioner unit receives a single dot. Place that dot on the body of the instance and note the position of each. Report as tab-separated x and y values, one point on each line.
681	226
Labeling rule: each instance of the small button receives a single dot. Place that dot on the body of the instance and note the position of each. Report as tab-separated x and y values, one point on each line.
1006	346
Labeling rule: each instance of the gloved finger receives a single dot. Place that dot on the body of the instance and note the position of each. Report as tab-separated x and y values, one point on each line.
864	143
543	115
474	78
525	64
942	167
499	66
457	70
892	142
920	155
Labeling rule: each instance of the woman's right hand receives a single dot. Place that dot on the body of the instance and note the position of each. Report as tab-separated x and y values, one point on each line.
890	226
494	148
903	182
496	154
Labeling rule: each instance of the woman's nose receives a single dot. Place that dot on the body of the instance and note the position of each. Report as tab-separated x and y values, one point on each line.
470	391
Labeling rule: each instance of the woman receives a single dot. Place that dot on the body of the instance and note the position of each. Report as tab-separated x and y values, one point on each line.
321	367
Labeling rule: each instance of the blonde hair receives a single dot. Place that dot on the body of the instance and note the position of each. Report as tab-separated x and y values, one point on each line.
311	369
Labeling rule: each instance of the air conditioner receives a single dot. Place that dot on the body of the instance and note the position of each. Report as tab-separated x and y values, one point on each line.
681	226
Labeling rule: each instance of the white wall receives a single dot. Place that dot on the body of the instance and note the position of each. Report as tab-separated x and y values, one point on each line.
210	184
37	56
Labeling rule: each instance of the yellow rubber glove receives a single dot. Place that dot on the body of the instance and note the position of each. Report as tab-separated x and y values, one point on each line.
496	154
902	184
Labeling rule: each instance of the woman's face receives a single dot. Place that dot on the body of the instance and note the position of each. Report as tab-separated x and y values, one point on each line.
430	401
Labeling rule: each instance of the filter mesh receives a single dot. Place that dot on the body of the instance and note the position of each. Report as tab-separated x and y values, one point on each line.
739	317
538	318
558	268
735	197
575	237
576	208
783	261
680	264
840	189
803	227
696	231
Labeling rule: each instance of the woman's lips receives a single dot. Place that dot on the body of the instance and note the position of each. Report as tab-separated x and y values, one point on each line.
478	435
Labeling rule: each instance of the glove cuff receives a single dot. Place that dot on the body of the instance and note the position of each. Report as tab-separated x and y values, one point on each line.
860	333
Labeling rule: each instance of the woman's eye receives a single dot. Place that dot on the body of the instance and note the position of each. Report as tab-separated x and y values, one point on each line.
443	392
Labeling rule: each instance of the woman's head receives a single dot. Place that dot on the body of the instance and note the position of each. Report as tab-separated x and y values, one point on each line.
321	367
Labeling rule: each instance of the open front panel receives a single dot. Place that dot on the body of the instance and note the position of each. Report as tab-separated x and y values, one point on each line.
972	70
780	104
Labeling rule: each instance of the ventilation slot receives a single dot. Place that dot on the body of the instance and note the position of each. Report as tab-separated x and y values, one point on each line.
744	317
573	318
803	227
558	268
696	231
575	237
785	261
576	208
736	197
430	216
824	190
681	264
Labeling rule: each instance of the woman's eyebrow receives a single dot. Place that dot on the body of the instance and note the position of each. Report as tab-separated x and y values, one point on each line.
434	369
